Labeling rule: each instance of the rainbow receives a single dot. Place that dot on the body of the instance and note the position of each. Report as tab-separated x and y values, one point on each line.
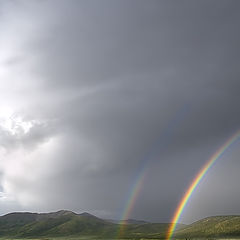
134	193
138	183
196	182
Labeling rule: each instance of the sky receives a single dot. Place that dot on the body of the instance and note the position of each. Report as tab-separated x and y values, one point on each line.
94	92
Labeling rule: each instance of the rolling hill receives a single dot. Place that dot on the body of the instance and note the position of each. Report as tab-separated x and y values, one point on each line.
212	227
66	223
59	223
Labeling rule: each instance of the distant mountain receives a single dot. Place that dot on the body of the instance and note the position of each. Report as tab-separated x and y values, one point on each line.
86	214
128	221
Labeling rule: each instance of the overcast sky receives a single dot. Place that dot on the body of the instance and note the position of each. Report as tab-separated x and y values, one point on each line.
93	91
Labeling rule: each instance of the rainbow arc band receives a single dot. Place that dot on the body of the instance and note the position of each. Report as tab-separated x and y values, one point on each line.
137	186
196	182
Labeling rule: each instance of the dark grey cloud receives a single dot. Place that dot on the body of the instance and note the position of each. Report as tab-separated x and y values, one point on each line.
111	86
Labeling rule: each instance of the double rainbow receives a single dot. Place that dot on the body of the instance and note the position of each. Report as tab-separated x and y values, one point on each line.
139	181
196	181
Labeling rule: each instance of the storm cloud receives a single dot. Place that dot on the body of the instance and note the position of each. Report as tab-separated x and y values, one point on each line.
93	90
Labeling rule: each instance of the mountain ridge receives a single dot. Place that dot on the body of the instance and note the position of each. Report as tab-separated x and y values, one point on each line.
65	223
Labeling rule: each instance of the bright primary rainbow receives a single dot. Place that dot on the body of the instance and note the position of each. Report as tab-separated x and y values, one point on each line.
196	181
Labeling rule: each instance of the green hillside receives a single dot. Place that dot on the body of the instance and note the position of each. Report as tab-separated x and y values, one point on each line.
67	224
147	230
218	226
63	224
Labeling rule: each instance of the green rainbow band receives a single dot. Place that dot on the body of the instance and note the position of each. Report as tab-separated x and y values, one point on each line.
196	181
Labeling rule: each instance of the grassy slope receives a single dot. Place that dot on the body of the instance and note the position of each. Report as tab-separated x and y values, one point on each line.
11	223
83	226
148	230
68	224
219	226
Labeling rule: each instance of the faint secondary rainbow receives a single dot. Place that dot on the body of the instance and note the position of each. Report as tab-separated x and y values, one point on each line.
196	181
134	193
